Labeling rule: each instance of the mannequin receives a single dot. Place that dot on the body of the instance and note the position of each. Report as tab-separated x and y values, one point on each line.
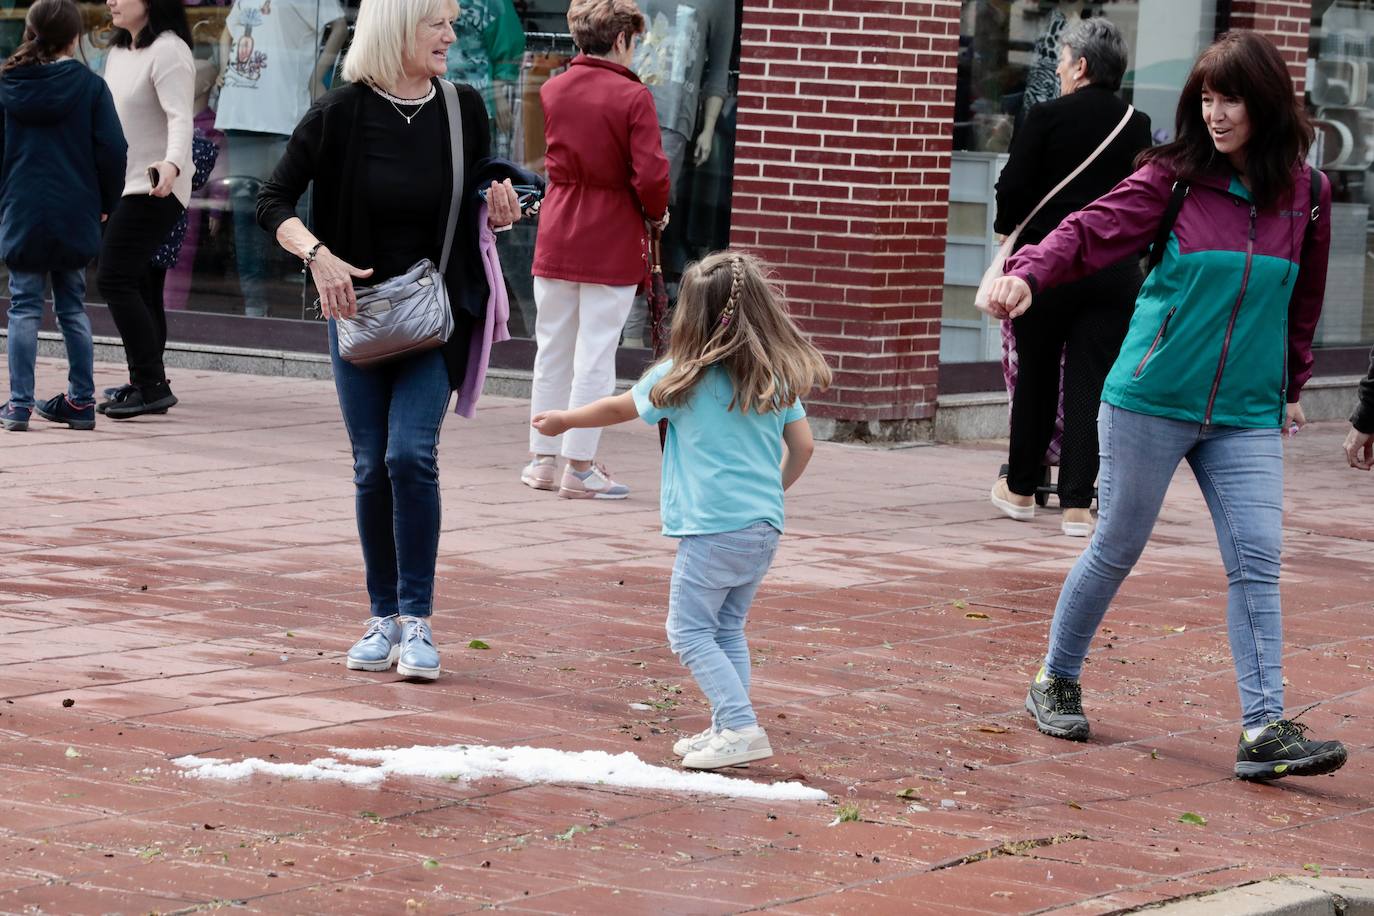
269	74
487	56
683	56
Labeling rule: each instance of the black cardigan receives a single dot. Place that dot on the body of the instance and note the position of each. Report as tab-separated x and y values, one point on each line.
1054	140
325	149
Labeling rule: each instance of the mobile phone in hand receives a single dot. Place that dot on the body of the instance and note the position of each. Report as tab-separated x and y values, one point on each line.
153	176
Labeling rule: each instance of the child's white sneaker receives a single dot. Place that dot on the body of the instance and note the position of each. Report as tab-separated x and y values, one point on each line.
685	746
730	748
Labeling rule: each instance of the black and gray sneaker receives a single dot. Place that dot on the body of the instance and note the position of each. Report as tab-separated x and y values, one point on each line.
1283	749
115	395
1057	704
136	401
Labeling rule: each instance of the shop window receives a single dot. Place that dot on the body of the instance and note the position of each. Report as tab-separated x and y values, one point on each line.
1007	55
1341	56
260	63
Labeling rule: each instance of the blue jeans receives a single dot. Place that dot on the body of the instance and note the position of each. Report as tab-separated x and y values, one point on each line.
1240	472
393	413
26	311
714	581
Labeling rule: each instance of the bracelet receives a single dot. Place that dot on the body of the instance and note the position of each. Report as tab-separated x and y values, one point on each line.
311	254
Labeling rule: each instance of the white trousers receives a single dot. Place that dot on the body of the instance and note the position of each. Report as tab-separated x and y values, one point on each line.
577	329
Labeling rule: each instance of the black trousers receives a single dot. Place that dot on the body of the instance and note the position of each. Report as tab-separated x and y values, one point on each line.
1086	321
132	287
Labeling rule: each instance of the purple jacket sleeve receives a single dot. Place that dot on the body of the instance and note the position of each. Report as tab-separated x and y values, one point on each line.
1306	305
1117	225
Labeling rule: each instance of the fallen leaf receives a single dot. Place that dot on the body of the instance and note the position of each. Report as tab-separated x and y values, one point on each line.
68	703
73	752
1189	817
478	644
1177	629
1075	806
909	793
430	863
960	604
1154	755
976	615
992	729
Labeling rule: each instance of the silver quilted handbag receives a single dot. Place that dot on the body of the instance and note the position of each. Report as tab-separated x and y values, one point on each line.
409	313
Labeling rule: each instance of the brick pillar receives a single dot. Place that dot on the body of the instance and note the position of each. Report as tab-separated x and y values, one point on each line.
1288	23
842	181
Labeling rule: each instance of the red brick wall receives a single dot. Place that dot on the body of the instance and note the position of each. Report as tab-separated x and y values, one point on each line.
841	182
1287	22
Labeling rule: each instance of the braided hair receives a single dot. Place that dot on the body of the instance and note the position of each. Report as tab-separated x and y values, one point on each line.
728	315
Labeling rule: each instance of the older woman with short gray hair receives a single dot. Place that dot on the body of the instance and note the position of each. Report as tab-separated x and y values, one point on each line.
1085	321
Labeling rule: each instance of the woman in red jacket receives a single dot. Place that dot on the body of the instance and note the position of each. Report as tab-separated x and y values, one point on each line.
607	177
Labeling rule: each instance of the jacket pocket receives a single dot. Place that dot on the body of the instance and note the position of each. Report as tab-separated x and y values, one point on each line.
1154	344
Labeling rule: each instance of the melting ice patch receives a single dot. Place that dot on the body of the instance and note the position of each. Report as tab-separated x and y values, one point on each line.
473	762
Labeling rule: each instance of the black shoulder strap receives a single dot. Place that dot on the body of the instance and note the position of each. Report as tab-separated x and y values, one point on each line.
1166	224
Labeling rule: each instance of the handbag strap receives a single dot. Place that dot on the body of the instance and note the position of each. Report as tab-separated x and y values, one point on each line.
1116	131
455	139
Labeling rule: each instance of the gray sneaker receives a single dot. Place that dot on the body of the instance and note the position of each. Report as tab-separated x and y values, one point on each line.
1057	704
379	647
419	658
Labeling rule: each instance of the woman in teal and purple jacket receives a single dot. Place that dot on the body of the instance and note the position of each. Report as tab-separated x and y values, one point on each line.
1214	361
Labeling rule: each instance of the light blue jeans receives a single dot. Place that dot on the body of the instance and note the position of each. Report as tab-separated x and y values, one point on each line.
714	581
26	312
1240	472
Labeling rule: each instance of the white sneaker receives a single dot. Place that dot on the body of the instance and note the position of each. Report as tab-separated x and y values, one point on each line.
728	748
594	483
685	746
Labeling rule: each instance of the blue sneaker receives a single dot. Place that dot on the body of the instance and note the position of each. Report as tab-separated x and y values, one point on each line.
14	417
60	409
379	647
419	658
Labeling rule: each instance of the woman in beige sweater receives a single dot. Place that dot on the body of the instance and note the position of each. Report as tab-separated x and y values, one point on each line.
152	77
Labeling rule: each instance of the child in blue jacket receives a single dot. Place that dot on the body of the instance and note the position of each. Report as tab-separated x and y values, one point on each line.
62	159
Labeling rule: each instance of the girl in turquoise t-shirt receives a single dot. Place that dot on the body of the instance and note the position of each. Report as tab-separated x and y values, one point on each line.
730	390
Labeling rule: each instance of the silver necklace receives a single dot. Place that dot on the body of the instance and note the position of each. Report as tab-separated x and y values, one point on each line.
397	102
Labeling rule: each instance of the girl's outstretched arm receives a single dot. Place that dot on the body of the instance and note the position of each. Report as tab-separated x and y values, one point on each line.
605	412
797	437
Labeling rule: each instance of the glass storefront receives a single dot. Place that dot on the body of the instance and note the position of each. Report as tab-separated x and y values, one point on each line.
259	63
1341	55
1007	54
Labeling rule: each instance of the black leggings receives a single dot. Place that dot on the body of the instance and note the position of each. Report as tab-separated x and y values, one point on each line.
132	287
1087	322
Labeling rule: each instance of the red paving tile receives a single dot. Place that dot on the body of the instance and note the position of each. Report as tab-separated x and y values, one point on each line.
870	677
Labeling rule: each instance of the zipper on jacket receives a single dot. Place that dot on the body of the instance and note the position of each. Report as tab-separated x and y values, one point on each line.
1235	312
1159	337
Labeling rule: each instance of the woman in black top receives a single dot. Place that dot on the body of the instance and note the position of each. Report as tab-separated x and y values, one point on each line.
378	153
1085	321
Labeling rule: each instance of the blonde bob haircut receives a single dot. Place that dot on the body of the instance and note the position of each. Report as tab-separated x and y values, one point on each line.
596	24
384	36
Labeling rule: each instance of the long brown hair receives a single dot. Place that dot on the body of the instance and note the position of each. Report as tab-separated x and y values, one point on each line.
49	29
729	315
1243	65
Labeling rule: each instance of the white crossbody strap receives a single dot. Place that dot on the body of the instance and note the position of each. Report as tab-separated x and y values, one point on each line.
1116	131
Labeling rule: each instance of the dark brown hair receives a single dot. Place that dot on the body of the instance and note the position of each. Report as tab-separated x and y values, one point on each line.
595	24
1241	65
163	16
49	28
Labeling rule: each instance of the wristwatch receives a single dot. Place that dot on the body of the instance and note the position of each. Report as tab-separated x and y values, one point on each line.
310	255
